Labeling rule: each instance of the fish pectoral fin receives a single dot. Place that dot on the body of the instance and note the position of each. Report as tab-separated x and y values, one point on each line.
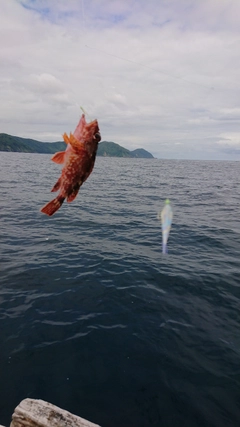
57	185
59	157
74	193
77	145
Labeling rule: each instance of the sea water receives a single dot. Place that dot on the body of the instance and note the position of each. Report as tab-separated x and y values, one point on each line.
95	319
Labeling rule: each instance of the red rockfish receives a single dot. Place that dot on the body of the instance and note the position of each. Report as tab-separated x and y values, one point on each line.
78	161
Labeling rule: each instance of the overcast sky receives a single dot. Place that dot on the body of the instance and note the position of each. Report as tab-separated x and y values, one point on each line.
163	75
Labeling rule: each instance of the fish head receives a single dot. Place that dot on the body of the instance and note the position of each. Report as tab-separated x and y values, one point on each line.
92	132
87	132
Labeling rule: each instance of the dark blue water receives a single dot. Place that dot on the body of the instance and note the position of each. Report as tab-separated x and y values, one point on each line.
95	319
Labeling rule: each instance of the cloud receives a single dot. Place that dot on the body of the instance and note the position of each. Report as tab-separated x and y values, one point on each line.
46	83
230	140
158	75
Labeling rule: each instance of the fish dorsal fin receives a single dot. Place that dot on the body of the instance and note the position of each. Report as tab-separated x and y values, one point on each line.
75	143
59	157
66	138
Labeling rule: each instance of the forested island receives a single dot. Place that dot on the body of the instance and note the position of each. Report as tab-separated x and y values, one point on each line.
105	148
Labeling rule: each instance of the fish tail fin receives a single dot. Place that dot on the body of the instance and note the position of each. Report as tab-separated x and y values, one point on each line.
51	207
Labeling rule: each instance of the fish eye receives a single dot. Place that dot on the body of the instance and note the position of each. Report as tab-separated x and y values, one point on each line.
97	136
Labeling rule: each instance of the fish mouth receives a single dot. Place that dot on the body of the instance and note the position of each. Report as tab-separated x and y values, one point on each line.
93	123
87	131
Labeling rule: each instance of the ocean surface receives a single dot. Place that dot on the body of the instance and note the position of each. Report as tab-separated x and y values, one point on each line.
95	319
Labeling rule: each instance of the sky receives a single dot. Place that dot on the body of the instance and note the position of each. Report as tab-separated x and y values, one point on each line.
163	75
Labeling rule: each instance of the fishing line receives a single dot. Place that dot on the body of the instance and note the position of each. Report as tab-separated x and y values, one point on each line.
151	68
165	73
83	15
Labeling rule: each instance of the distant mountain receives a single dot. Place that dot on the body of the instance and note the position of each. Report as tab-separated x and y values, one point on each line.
25	145
105	148
111	149
141	154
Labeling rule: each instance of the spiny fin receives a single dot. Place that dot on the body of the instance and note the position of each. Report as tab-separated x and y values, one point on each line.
66	138
57	185
51	207
74	193
75	143
58	157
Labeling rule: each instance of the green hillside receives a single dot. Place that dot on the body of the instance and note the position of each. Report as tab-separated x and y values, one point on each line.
111	149
12	143
25	145
141	154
